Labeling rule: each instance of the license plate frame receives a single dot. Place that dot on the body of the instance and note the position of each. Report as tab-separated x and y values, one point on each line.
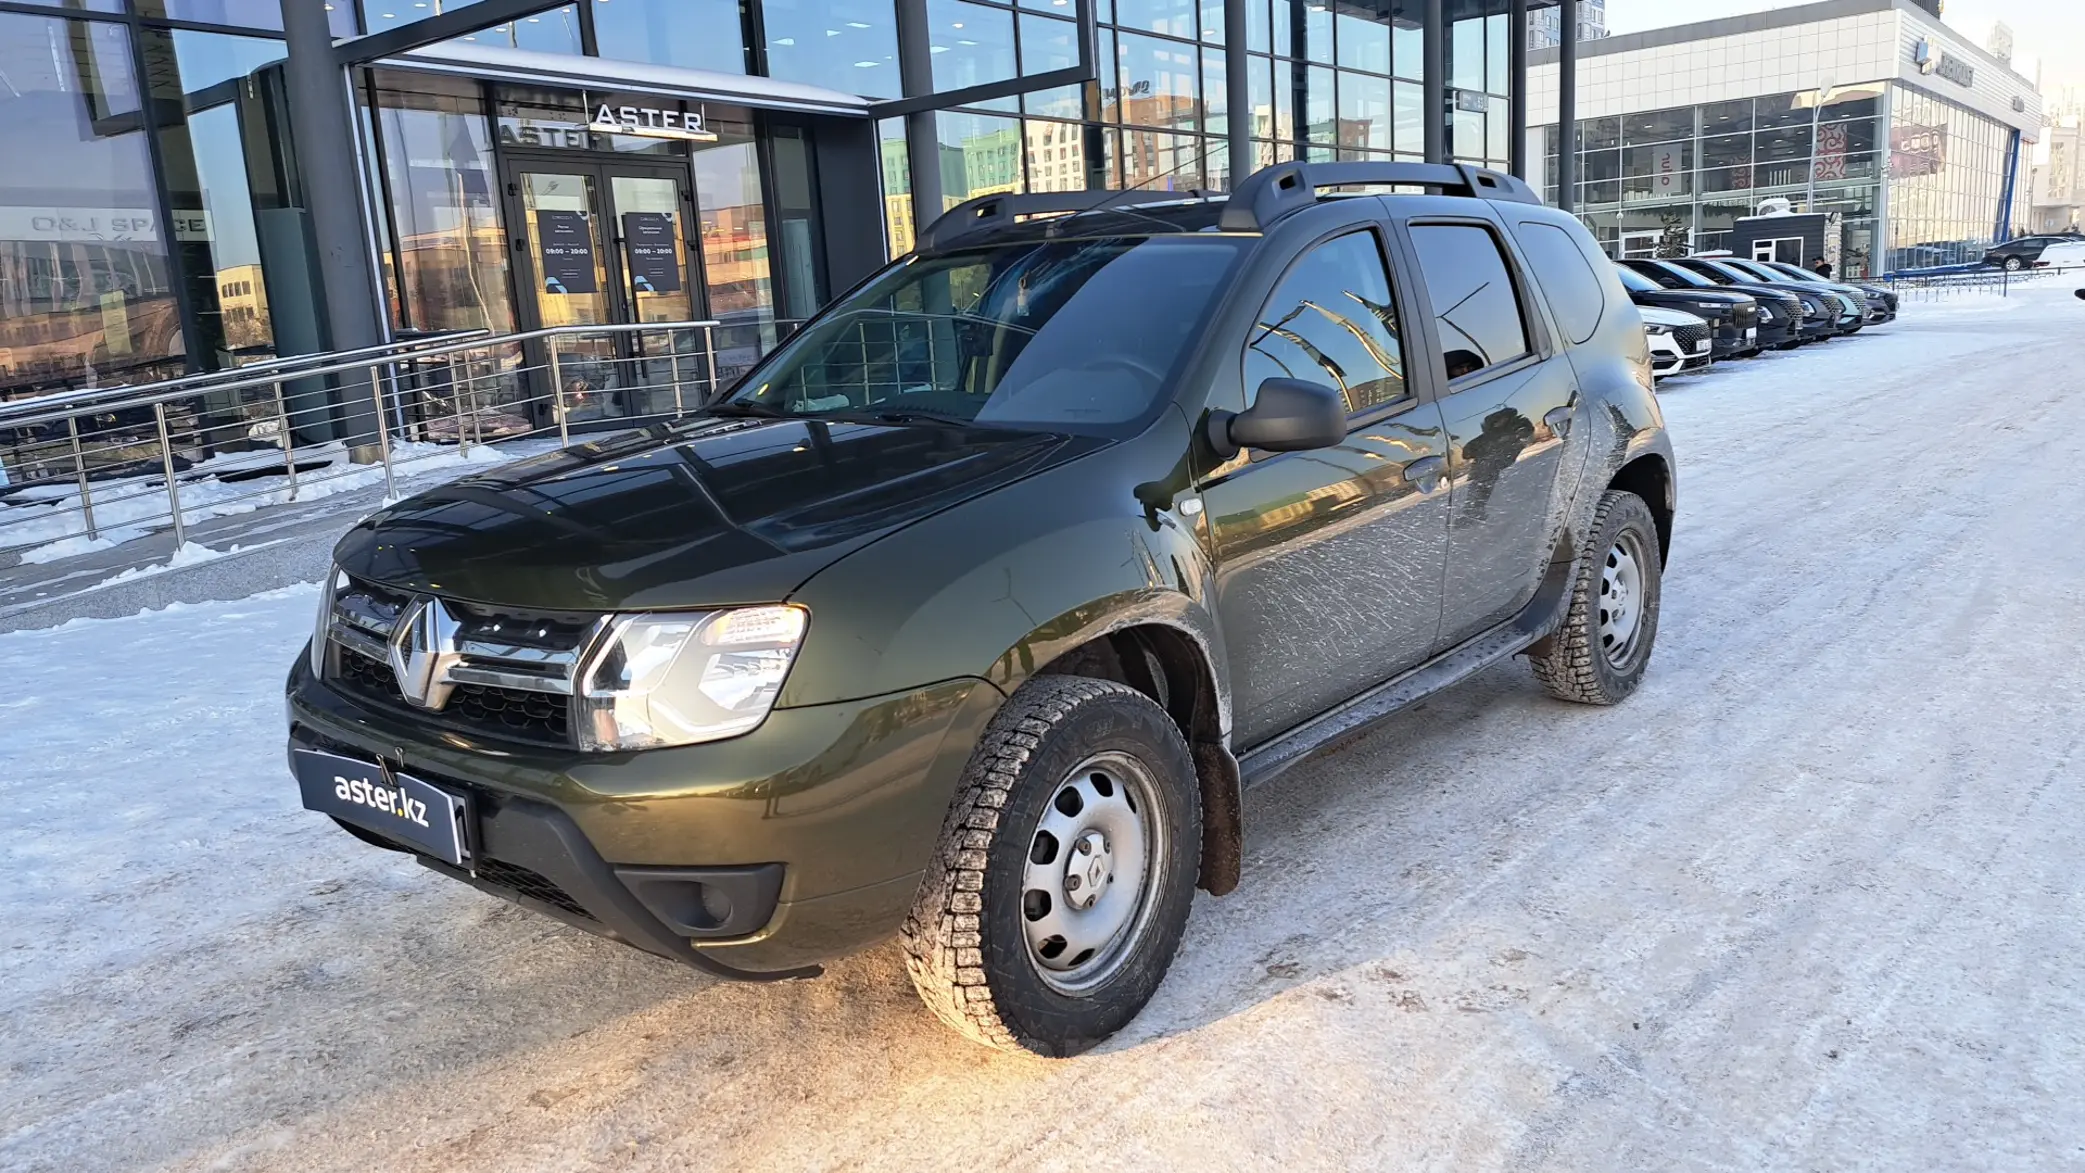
416	814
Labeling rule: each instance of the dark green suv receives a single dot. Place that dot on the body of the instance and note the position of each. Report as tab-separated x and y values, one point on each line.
968	613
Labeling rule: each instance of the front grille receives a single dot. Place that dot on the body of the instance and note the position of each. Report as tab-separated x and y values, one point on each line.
506	712
508	674
368	678
535	716
1690	337
523	882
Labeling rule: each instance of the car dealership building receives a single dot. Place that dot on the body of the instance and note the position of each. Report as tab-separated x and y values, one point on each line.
1873	110
199	184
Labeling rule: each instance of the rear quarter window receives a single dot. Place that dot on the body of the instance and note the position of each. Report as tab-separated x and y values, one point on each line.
1566	275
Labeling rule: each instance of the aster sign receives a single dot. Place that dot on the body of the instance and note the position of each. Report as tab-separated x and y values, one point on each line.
651	122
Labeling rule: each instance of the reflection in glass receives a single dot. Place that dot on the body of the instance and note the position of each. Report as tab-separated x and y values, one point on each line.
194	77
1048	45
1159	82
1056	156
86	296
695	34
1332	321
735	252
849	45
1173	17
554	31
971	45
451	248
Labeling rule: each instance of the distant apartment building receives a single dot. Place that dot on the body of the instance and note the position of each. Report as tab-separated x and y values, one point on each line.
1545	28
2058	203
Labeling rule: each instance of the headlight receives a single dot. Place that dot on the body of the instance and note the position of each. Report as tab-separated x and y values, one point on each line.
322	626
680	678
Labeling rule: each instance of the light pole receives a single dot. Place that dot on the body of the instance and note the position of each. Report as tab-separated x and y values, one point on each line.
1823	95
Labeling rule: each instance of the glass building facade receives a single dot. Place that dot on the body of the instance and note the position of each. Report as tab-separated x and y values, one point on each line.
1327	82
162	231
1943	179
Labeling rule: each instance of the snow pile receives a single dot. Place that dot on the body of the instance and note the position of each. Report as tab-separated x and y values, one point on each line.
190	554
52	526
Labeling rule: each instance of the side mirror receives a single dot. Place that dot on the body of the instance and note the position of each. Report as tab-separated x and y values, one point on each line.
1288	415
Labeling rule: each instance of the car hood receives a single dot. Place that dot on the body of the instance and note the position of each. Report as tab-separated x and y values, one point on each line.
706	513
1661	316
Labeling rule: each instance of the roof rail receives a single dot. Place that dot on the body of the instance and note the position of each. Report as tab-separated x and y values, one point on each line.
986	213
1273	192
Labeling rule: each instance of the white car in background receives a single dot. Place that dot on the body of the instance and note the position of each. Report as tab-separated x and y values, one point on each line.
2069	254
1680	342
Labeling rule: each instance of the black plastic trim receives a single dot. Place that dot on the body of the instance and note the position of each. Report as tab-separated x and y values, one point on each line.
545	840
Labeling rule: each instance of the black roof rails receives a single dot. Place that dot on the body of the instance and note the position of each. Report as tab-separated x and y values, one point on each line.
986	213
1273	192
1266	196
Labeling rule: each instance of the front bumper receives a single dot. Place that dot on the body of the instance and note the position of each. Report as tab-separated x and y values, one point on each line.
753	857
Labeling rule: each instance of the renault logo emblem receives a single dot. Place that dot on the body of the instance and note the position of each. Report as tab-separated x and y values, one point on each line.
423	648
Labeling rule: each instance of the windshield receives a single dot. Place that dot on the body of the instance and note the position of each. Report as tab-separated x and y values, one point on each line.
1063	335
1634	281
1687	277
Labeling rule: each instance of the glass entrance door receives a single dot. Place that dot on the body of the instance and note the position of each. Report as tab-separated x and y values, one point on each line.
651	243
606	244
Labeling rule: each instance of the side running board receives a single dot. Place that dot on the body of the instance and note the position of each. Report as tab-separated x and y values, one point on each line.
1356	717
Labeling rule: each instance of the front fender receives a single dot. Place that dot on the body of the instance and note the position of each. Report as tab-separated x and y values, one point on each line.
1000	586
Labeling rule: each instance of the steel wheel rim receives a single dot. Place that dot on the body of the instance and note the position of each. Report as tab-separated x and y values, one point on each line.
1621	601
1089	890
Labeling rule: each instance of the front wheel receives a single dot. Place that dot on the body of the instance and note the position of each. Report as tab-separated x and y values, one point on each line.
1598	654
1066	868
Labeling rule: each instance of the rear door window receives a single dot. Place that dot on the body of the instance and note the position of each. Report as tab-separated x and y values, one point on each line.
1332	320
1476	311
1566	276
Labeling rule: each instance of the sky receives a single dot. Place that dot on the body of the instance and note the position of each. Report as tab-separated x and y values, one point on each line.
2048	33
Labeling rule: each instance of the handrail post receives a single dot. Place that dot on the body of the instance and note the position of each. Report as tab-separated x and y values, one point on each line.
166	464
383	433
79	467
289	440
463	442
557	397
673	350
709	349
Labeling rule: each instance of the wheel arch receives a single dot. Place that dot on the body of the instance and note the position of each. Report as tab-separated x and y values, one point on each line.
1650	477
1172	663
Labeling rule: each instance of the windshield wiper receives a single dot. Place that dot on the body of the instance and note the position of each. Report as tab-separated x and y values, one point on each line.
910	415
745	409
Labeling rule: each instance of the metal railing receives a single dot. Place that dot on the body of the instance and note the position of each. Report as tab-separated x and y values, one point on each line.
93	467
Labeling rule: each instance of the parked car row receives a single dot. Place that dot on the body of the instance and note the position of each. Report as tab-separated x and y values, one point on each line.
1716	306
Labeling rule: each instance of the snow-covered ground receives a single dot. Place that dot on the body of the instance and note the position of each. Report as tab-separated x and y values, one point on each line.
50	524
1811	899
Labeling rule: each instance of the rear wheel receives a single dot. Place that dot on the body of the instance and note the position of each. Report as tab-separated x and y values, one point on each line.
1066	868
2014	264
1598	654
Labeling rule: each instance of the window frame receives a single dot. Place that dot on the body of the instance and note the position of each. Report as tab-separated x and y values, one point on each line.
1375	227
1534	323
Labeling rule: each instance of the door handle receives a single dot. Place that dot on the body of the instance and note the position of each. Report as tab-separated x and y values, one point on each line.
1559	421
1425	472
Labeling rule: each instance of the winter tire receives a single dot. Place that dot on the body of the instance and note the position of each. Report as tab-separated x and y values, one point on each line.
1061	885
1597	655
